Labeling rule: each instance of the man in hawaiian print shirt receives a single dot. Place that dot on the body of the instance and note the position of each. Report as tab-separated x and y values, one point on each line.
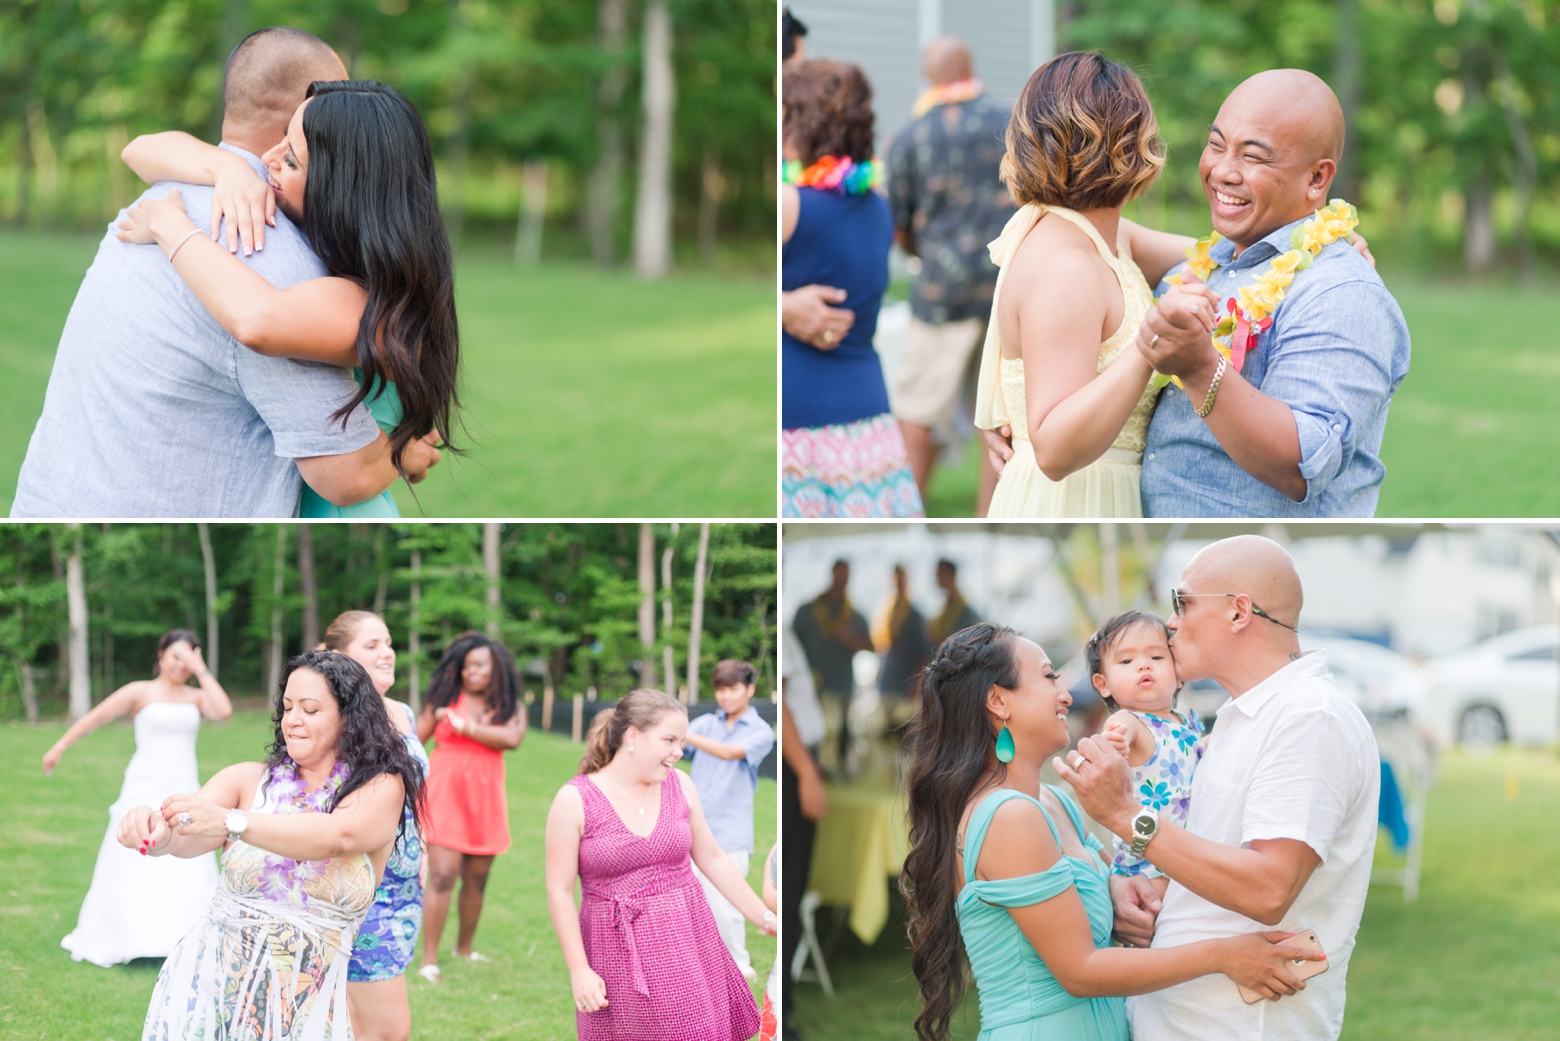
948	204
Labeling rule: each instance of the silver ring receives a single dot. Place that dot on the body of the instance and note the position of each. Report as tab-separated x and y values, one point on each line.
1154	340
185	820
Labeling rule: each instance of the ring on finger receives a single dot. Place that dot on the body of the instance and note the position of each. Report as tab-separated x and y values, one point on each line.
1154	340
185	820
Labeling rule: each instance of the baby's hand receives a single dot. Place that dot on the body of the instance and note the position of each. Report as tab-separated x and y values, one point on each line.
1115	734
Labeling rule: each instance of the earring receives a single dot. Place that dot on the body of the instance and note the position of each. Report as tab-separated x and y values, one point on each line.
1005	747
630	749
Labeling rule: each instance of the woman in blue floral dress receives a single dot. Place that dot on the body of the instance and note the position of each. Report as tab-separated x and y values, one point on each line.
376	977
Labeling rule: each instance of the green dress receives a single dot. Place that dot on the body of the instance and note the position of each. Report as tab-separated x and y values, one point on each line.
385	407
1020	1000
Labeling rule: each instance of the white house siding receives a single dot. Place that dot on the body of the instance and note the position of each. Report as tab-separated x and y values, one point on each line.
885	38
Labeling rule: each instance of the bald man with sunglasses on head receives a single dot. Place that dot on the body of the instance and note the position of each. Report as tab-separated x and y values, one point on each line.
1282	827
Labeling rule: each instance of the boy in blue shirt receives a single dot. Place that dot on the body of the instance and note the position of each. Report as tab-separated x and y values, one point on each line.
729	745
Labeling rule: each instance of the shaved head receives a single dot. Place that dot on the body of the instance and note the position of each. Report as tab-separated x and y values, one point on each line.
1253	565
1300	107
946	60
265	80
1272	153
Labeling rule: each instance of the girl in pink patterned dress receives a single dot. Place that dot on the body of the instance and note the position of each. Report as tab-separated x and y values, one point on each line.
645	958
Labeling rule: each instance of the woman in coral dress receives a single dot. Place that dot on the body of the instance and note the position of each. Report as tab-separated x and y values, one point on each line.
472	710
645	958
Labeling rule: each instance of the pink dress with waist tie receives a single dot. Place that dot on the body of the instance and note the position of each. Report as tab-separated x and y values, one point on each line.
649	933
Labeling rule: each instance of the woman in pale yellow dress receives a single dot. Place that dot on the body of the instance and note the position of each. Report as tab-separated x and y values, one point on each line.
1059	366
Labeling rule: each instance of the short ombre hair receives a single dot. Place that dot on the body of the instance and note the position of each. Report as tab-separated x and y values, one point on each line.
826	109
1083	136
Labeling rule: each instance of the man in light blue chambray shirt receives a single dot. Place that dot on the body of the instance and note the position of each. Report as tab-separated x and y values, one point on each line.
152	409
1297	432
728	747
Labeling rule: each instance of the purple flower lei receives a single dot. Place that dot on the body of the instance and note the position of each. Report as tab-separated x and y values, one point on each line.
282	879
289	787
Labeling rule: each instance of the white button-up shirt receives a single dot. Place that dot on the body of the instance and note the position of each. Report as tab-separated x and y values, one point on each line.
1292	758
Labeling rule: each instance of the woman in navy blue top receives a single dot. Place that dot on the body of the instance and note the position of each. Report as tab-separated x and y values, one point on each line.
842	453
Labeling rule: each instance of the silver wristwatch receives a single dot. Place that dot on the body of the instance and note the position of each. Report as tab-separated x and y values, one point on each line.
1144	827
236	823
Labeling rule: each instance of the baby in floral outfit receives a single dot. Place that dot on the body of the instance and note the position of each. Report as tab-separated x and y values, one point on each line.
1131	665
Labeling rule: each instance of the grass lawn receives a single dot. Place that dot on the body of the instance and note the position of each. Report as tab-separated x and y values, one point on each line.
1471	431
1476	958
56	826
588	393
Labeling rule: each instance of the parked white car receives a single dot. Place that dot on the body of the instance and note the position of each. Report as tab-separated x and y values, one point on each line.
1504	689
1379	680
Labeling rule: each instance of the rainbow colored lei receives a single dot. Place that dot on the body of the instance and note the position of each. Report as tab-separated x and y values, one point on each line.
1251	308
836	174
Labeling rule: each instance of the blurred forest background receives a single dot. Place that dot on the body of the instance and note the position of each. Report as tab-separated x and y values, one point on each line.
555	125
1453	109
594	609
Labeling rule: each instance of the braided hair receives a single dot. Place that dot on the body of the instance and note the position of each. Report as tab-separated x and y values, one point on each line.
953	750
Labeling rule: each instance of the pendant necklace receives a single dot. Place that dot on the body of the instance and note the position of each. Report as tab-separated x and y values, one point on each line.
630	798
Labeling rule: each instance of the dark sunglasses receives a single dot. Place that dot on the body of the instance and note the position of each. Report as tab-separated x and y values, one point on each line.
1178	605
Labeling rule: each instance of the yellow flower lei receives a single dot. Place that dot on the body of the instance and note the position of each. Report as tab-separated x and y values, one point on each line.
1251	308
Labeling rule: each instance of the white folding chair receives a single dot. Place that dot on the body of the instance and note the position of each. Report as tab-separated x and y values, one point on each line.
809	945
1413	765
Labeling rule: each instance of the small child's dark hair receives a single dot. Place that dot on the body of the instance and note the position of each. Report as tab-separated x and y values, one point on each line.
1105	638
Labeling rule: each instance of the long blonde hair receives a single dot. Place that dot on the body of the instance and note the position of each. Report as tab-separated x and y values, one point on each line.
640	709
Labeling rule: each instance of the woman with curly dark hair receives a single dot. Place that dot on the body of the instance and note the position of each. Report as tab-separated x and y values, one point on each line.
843	454
472	711
1001	871
306	835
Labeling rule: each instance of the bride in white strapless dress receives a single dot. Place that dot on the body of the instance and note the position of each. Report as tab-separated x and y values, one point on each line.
141	907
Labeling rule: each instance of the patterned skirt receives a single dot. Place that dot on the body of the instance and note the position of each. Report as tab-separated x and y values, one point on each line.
855	469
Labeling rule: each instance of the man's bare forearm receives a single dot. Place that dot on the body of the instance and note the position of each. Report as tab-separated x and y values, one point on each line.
1256	431
1259	882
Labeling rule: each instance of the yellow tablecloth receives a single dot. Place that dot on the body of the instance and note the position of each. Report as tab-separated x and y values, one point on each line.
861	845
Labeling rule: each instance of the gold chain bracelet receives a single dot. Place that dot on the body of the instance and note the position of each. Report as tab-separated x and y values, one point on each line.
1213	388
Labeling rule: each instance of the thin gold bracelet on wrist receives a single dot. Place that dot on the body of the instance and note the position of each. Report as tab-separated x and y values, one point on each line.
1213	388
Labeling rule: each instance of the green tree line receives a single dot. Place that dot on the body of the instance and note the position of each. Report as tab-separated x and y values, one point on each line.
536	107
82	606
1453	106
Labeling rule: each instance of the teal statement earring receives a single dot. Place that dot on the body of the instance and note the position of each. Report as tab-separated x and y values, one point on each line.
1005	747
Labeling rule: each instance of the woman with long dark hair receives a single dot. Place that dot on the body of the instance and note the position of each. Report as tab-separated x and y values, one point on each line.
1002	873
472	711
376	976
355	170
306	836
134	909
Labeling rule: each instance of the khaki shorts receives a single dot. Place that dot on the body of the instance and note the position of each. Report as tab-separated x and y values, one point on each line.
930	375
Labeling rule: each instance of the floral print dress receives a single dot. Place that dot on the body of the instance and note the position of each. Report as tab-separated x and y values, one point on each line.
269	960
1164	782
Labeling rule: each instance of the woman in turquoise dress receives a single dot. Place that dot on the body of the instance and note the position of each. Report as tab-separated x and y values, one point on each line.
355	171
1002	872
